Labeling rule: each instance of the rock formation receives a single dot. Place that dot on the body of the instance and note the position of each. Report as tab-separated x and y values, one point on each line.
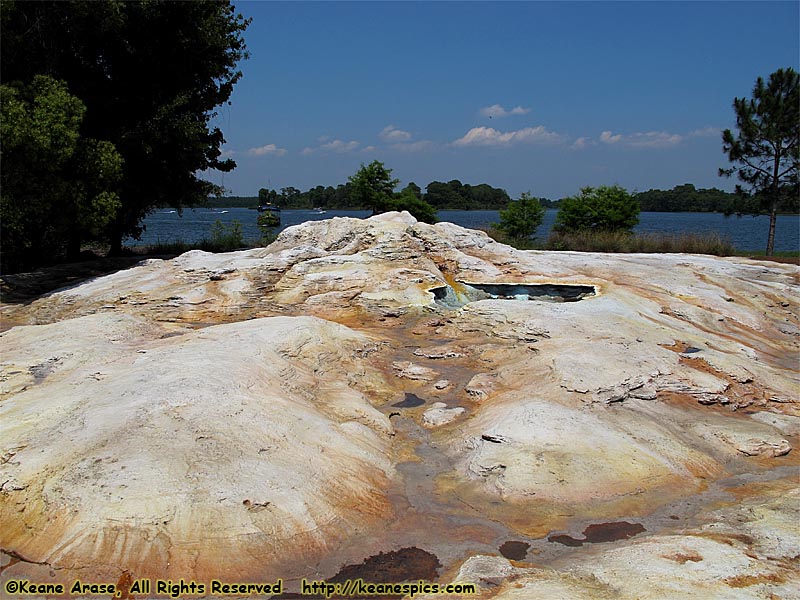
236	416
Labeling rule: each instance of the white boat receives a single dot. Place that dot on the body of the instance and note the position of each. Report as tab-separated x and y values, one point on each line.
319	211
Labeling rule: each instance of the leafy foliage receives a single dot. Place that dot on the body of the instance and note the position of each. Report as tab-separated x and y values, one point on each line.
228	237
458	196
687	198
408	200
150	74
522	217
605	208
373	186
765	151
58	187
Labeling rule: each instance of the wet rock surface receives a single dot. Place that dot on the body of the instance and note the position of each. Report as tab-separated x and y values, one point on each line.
228	416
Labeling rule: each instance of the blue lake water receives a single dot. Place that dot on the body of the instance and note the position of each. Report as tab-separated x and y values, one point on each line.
745	233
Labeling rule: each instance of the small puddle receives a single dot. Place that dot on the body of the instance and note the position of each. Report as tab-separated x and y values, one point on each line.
406	564
515	550
397	566
456	296
599	533
410	401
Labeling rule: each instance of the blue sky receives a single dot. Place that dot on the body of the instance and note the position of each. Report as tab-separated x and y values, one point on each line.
529	96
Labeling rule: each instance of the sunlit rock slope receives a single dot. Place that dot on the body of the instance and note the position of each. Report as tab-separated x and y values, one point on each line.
357	388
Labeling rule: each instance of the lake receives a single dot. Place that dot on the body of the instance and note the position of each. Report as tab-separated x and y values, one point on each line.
745	233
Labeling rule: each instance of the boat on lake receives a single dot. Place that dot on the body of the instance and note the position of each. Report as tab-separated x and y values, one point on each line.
269	215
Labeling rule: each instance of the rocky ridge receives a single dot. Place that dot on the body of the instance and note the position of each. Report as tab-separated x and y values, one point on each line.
235	415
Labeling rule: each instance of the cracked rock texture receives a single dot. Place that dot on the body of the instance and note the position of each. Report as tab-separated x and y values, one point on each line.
233	416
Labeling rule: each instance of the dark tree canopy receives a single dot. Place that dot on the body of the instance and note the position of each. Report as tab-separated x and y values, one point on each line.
150	74
765	151
688	198
459	196
58	187
372	186
605	208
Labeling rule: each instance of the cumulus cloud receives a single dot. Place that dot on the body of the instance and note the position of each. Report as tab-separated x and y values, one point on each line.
653	139
705	132
227	153
337	146
648	139
390	133
607	138
268	150
369	149
413	146
340	146
496	110
487	136
583	142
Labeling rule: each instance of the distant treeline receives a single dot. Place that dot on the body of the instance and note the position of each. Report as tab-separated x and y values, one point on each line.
452	195
687	198
455	195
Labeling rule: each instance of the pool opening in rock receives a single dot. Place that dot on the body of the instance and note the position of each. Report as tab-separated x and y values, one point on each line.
458	295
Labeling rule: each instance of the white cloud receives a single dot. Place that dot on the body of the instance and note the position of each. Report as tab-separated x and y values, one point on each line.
269	149
487	136
653	139
495	110
607	138
583	142
413	146
390	133
648	139
369	149
340	146
227	153
337	146
705	132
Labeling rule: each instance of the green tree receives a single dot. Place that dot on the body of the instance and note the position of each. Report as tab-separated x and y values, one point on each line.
150	74
459	196
605	208
373	186
408	200
766	148
414	189
57	188
522	218
267	196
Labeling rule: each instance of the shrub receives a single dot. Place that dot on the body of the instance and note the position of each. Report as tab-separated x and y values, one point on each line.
226	237
606	208
522	217
406	200
618	241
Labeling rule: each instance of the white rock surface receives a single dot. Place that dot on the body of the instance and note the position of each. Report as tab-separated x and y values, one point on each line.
229	414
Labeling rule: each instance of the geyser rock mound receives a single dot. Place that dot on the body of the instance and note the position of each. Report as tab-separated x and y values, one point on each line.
237	414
